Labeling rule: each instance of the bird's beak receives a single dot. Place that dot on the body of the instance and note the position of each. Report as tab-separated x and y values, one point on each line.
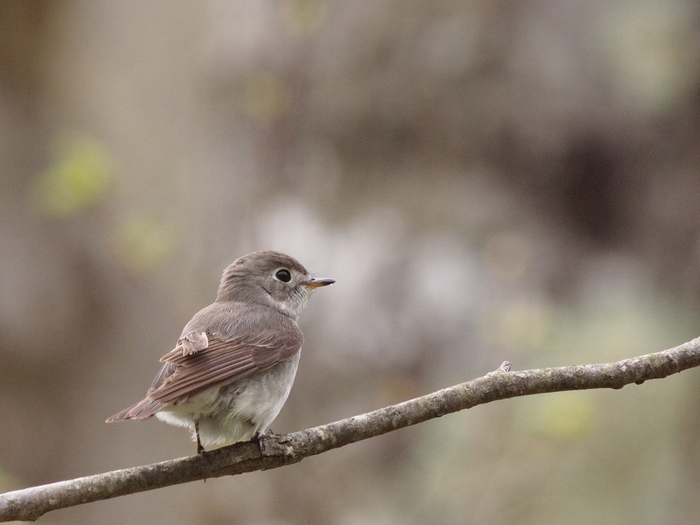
316	282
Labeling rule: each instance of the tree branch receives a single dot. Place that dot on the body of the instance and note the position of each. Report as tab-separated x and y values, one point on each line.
280	450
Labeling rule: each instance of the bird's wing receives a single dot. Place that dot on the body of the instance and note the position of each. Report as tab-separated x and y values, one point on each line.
221	362
218	347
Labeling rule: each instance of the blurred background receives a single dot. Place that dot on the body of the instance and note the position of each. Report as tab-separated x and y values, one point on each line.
486	180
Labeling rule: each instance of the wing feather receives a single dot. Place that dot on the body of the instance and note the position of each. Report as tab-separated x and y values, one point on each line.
237	346
222	362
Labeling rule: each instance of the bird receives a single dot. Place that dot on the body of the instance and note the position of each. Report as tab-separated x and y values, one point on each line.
234	364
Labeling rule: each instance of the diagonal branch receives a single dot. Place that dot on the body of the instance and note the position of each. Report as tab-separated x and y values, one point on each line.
280	450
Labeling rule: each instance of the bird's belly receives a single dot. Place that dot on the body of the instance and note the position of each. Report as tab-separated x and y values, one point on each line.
238	411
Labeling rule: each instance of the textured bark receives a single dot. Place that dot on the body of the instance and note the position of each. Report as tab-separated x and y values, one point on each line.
280	450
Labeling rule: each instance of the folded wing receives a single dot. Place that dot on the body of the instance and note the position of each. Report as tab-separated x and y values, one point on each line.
223	361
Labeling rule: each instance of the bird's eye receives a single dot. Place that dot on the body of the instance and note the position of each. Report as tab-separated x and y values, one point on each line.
283	275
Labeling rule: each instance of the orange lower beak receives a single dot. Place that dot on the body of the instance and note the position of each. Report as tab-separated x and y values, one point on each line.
316	282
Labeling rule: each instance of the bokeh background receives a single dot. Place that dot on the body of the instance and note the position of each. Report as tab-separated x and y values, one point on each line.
486	180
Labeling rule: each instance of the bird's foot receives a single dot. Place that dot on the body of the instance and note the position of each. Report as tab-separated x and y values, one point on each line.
200	448
259	438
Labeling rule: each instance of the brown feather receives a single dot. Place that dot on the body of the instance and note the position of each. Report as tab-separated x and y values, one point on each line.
234	351
250	329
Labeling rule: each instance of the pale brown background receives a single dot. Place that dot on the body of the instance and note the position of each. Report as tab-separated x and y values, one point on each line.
486	180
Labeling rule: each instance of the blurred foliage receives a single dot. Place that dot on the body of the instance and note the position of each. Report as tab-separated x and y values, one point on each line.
7	482
305	16
143	243
265	96
78	178
648	48
568	416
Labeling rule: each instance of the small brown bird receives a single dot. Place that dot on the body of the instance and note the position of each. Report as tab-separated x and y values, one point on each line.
235	362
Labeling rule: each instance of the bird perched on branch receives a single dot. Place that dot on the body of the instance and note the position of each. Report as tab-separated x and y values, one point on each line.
234	364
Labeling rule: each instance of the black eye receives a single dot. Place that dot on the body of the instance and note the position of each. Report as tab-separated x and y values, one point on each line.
283	275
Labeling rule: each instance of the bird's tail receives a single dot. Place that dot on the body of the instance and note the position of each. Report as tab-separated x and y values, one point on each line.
141	410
